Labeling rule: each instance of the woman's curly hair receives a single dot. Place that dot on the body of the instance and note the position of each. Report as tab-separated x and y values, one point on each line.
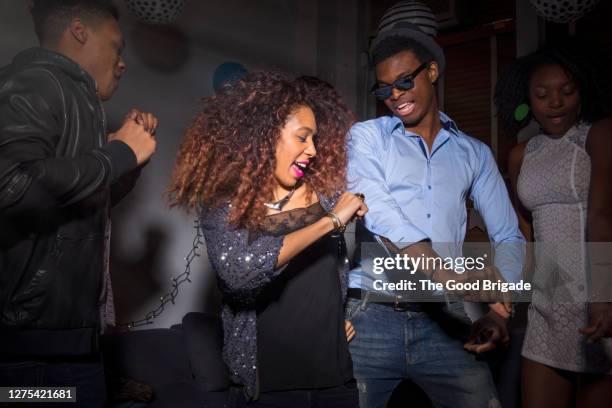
512	89
228	152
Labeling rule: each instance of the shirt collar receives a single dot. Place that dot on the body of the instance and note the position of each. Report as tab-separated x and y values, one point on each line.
447	123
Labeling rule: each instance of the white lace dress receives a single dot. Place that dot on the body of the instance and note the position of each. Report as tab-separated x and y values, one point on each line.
554	185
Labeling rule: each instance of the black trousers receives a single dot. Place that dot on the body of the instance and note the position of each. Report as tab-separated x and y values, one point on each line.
86	374
343	396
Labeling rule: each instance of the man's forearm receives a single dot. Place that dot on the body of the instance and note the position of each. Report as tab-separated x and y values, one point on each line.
417	250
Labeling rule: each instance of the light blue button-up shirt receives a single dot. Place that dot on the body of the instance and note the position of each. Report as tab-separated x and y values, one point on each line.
415	194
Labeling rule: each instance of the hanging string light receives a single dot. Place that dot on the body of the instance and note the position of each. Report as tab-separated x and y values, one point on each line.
176	282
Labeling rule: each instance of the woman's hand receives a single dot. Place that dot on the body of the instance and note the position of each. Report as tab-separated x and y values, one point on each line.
600	322
348	206
349	329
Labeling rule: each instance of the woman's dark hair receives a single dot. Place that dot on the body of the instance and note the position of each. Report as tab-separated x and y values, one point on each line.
512	89
228	152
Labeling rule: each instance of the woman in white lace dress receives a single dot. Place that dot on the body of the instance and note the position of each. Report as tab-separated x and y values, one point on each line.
562	178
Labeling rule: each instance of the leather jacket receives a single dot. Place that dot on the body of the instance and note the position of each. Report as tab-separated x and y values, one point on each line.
56	174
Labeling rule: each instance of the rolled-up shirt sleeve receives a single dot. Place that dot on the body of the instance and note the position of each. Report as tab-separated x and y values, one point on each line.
365	175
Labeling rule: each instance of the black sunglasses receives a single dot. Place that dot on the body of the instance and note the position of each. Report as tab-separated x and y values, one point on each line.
404	83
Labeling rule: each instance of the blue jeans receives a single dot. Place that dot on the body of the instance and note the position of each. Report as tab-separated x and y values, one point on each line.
391	346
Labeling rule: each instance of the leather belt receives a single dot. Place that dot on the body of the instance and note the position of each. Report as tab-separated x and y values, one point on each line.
397	303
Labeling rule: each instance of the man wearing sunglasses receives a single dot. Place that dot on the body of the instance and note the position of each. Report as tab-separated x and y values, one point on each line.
416	170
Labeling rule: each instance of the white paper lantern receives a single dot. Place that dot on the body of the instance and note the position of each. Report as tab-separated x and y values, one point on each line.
157	12
563	11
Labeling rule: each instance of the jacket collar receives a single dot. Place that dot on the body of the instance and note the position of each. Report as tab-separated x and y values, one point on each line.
44	57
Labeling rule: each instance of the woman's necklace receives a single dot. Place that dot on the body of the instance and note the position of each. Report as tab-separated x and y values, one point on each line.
278	205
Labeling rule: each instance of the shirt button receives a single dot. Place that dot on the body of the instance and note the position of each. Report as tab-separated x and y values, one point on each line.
428	215
429	187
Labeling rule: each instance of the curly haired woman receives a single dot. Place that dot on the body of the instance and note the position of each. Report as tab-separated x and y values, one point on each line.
272	218
562	178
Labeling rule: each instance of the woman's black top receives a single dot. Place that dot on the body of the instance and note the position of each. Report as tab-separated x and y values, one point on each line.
301	341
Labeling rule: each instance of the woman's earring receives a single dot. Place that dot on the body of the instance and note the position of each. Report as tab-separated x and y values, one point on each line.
521	112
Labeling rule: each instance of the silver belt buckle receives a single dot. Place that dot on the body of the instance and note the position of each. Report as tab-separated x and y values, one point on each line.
396	305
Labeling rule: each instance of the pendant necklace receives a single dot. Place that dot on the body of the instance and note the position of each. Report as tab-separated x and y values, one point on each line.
278	205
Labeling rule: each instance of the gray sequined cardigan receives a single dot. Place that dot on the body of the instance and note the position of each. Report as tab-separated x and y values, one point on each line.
244	267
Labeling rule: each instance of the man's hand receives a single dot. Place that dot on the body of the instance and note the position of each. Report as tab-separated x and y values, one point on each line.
472	276
137	132
600	322
350	330
146	119
487	333
501	309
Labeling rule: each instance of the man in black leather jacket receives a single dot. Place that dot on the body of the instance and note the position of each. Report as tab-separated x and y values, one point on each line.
60	172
